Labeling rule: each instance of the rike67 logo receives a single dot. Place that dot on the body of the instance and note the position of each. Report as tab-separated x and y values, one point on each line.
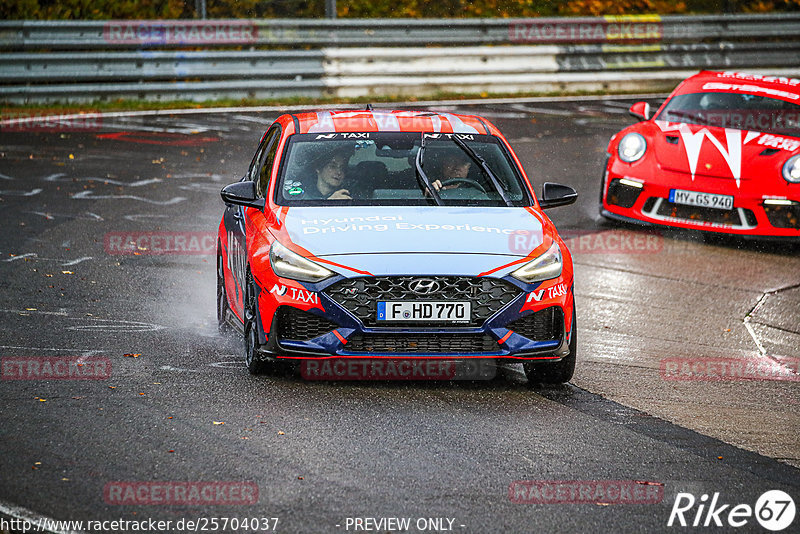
774	510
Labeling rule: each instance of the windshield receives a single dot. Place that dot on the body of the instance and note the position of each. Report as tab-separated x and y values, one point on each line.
381	168
734	110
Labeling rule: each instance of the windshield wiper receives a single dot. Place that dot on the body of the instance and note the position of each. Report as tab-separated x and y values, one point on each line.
422	178
483	165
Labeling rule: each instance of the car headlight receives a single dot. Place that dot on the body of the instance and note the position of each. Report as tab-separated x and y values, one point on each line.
545	267
632	147
288	264
791	169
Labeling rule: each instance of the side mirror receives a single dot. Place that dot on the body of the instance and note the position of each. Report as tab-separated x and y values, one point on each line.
554	195
242	194
640	110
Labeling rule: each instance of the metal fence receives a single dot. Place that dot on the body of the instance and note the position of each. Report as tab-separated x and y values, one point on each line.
74	61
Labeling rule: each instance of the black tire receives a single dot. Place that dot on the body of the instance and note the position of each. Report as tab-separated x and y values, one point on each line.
600	206
560	372
222	296
252	348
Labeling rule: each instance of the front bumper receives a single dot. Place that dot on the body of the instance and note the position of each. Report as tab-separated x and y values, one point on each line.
517	331
751	216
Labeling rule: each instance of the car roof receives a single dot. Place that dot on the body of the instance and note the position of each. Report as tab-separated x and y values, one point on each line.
779	87
385	120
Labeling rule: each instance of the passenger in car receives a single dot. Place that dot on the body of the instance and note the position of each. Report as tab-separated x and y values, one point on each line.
329	172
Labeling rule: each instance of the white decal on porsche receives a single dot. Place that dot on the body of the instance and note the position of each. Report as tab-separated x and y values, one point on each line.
693	142
726	87
758	77
775	141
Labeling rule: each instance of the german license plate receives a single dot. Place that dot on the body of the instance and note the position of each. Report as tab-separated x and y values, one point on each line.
705	200
419	310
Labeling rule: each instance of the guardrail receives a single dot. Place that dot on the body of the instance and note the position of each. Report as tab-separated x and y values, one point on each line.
76	61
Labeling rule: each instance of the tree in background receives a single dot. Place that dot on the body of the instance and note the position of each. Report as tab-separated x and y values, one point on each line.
173	9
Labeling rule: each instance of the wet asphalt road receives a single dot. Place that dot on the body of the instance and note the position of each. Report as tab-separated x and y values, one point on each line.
320	453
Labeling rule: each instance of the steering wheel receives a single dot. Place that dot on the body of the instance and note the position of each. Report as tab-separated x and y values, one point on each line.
467	181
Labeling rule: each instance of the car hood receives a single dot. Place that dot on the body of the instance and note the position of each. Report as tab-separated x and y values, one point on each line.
718	152
441	236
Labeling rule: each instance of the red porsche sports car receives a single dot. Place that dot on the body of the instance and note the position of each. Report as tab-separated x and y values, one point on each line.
722	154
394	234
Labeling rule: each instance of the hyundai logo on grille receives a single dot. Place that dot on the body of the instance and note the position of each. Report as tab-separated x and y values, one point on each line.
423	286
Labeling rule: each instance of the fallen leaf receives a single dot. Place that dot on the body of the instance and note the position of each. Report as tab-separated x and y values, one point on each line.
132	354
218	422
112	387
67	272
171	450
281	432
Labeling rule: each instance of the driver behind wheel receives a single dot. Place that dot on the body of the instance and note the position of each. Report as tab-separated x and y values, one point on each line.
453	166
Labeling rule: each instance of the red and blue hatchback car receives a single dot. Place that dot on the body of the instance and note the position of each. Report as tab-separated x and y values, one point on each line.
394	234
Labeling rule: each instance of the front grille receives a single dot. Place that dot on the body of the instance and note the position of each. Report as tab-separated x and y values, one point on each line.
622	195
543	325
360	295
701	214
422	343
783	216
299	325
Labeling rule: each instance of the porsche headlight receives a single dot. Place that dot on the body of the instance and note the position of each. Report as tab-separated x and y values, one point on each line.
545	267
632	147
288	264
791	169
